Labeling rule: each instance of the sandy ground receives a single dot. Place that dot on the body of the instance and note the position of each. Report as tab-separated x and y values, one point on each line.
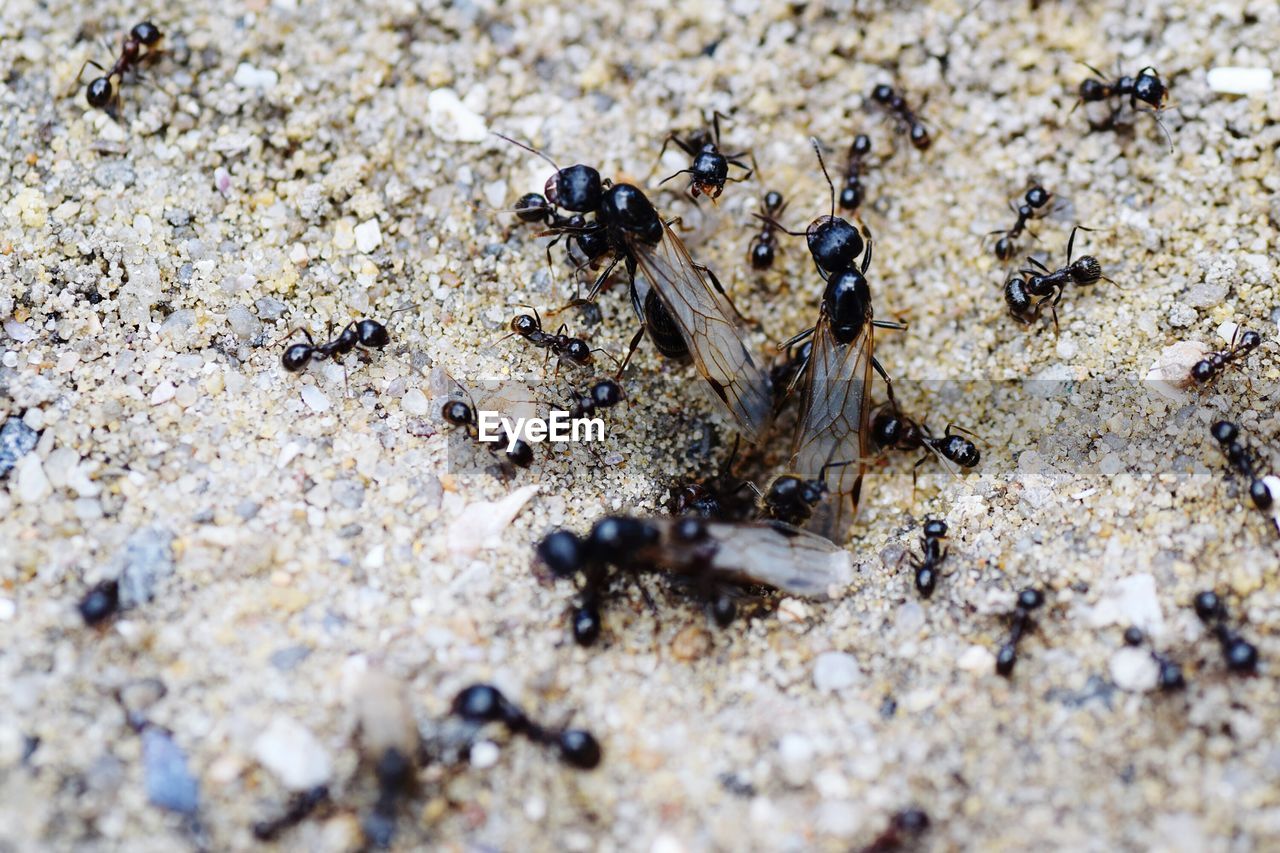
300	163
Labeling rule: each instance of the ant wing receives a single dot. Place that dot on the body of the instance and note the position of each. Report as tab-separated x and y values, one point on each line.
833	425
706	320
786	558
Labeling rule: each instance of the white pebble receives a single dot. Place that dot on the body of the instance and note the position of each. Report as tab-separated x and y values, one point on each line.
164	393
8	608
368	236
414	402
32	485
1134	670
479	524
453	120
1130	601
834	671
291	752
1235	80
20	332
795	755
976	659
484	755
315	399
249	76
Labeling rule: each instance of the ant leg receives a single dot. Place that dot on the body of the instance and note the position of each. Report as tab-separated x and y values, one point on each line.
76	85
887	381
1042	267
890	324
866	258
599	283
684	146
611	356
795	339
635	344
293	332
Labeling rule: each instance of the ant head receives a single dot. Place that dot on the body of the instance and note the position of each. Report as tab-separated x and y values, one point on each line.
563	552
372	334
458	413
99	92
1250	340
628	208
834	243
861	146
578	351
935	528
1030	599
784	488
295	357
773	202
481	703
606	393
1224	432
1037	197
883	94
1092	90
576	188
1149	89
710	168
532	207
919	136
1209	606
1086	270
147	33
579	749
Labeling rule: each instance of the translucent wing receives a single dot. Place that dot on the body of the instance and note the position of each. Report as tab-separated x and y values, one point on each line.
770	553
833	425
707	321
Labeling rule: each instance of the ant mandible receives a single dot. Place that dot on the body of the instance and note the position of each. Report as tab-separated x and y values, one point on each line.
709	171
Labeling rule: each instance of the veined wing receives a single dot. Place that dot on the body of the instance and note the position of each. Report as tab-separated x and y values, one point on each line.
770	553
708	322
833	425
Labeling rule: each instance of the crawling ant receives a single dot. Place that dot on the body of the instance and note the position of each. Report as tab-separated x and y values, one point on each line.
483	703
366	333
885	96
721	497
1242	461
1243	342
1007	656
589	237
603	394
791	498
764	244
460	414
100	92
709	171
1033	202
1169	675
932	553
565	347
905	828
100	603
1049	285
852	194
891	428
1145	87
1241	656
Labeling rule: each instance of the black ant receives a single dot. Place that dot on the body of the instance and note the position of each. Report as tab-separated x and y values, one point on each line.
932	553
1145	87
100	603
603	394
885	96
792	498
891	428
1242	460
366	333
1243	342
100	92
764	244
905	828
565	347
852	194
1169	675
1049	285
1033	202
589	237
1007	656
1241	656
483	703
462	415
710	169
722	497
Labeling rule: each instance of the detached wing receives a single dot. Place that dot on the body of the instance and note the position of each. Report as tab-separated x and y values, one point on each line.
770	553
708	323
833	425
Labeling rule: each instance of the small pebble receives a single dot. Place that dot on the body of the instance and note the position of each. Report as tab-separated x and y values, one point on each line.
113	172
31	486
243	323
20	332
170	784
415	402
293	754
452	120
270	309
795	756
1134	670
835	671
1237	80
368	236
484	755
315	399
16	440
249	76
147	559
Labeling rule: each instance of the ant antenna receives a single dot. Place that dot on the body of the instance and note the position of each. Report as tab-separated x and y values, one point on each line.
528	148
818	150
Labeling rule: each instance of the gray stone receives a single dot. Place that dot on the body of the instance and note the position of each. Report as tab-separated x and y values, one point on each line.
170	784
112	172
16	440
147	559
243	323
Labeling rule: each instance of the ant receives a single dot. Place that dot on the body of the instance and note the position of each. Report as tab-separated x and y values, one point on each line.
529	327
852	194
710	169
603	394
1241	656
1170	675
1028	600
764	244
483	703
1145	87
885	96
1049	285
904	829
890	428
833	242
932	553
1243	462
366	333
589	237
1032	203
460	414
100	603
100	92
1243	342
791	498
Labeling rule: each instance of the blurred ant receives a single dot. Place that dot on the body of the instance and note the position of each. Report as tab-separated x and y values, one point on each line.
1145	87
852	194
100	92
885	96
1243	462
100	603
1049	285
892	429
1169	675
710	169
905	828
366	333
791	498
1007	656
1241	656
565	347
603	394
764	244
459	414
300	807
932	553
1243	342
483	703
1032	206
721	497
